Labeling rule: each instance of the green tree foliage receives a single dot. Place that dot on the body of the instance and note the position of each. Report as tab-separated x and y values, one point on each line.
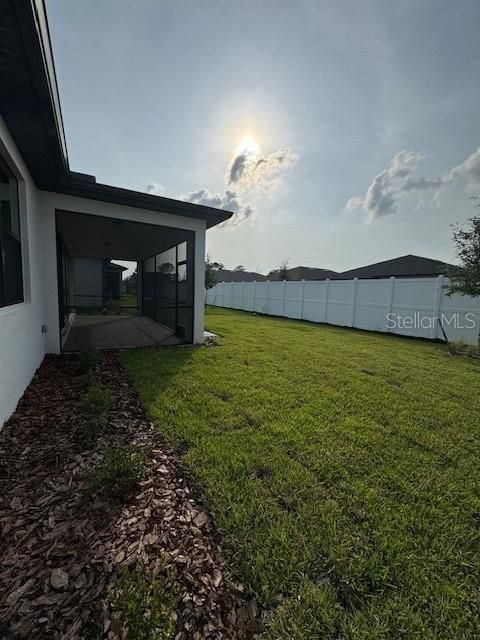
465	279
211	269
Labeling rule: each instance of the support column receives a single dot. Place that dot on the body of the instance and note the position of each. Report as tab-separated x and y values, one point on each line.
199	288
139	311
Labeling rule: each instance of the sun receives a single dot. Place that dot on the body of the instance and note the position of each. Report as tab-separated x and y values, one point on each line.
249	146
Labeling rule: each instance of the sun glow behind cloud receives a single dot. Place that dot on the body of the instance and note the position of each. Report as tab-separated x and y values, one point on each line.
248	146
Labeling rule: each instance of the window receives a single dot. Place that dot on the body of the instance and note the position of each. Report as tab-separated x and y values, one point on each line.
11	282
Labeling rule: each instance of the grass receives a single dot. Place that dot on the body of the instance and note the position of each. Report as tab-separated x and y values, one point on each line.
342	469
126	304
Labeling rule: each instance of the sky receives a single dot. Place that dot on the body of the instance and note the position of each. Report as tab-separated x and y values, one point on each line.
340	133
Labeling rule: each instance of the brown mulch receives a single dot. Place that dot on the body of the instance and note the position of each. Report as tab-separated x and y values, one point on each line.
60	551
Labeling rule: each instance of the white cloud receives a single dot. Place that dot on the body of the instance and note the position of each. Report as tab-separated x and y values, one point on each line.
398	180
256	171
155	188
468	171
227	200
248	175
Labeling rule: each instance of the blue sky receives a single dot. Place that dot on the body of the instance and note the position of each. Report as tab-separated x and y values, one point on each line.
342	133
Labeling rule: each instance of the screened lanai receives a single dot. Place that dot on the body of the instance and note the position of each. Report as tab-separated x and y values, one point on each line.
95	314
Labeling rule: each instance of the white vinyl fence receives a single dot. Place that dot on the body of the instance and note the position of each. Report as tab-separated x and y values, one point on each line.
406	306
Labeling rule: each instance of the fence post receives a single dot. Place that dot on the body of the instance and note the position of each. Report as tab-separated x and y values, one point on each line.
267	297
283	300
354	299
241	296
436	306
253	301
325	311
390	300
302	299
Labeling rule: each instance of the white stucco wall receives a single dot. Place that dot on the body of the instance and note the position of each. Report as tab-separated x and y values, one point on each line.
22	345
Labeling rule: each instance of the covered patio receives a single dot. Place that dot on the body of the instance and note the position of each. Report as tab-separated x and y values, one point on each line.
93	314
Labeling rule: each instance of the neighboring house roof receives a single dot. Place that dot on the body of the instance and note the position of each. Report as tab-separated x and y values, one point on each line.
408	266
30	105
403	267
305	273
115	267
227	275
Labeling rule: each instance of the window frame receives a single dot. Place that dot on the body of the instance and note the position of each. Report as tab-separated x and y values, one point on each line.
6	168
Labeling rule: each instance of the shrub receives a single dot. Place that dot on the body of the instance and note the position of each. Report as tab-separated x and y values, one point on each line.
121	470
461	348
86	361
96	401
93	426
89	378
146	603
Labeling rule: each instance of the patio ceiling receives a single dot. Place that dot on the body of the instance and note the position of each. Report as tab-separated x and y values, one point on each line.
102	237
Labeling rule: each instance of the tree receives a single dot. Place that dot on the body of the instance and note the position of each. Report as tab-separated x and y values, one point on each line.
465	279
282	272
211	269
239	267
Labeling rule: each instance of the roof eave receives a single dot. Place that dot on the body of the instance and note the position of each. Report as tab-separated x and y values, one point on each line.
140	200
33	25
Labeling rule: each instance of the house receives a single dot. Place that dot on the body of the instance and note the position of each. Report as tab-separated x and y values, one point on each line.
228	275
304	273
112	277
408	266
96	282
53	217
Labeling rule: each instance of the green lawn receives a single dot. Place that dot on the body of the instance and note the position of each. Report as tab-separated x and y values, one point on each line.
342	469
126	304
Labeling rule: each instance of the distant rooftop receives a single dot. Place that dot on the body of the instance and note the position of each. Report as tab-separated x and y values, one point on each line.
408	266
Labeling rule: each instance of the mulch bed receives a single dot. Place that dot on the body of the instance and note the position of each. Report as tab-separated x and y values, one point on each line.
60	552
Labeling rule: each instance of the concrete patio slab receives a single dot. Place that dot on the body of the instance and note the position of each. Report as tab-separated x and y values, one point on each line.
97	332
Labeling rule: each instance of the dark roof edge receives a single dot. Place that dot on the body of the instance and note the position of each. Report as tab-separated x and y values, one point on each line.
398	276
115	267
140	200
33	25
395	260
